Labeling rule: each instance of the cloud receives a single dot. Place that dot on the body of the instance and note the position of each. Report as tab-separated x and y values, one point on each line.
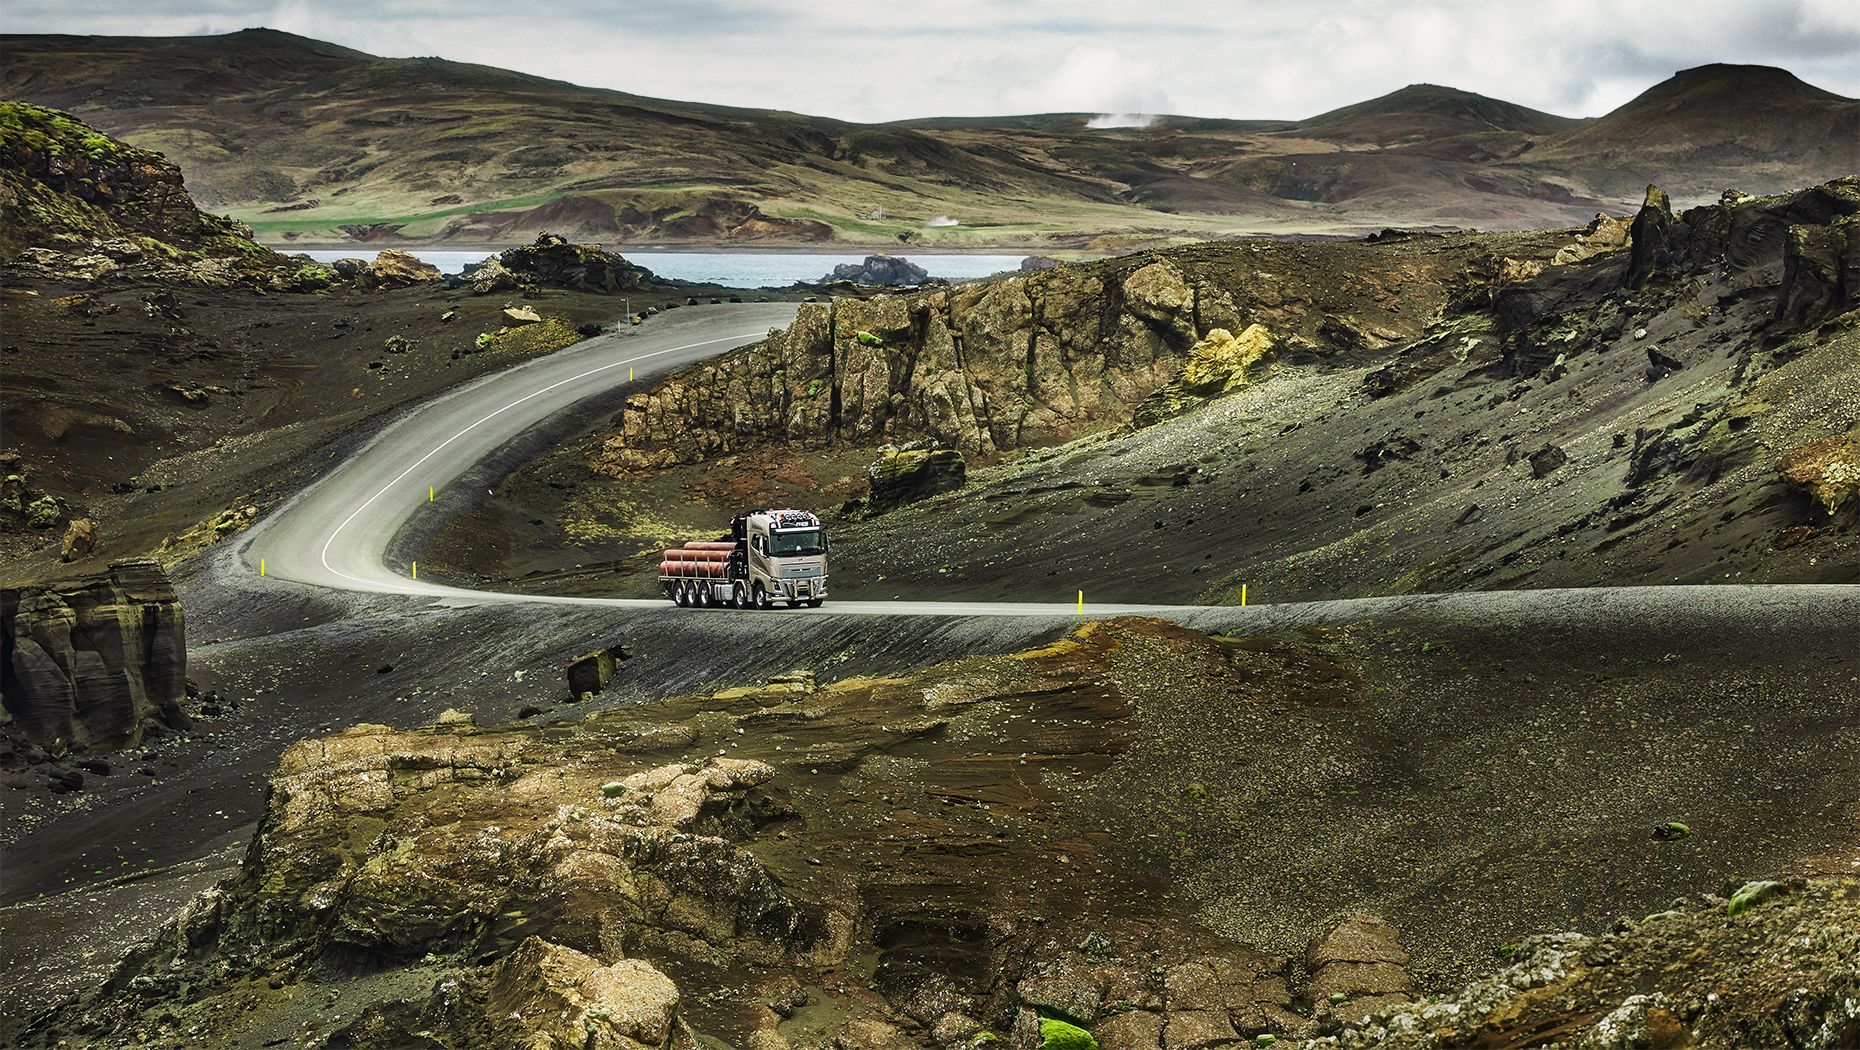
1215	58
1092	78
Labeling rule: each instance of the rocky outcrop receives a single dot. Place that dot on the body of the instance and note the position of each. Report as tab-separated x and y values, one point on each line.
714	218
541	995
1821	273
1604	234
909	474
1812	227
1358	967
880	270
394	268
78	205
1027	361
93	662
981	847
554	262
1771	965
1216	365
1652	238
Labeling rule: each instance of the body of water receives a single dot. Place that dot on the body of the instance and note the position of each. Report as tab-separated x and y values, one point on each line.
730	269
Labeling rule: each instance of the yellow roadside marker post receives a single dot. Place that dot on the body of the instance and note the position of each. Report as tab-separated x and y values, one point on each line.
429	493
629	374
416	570
1081	603
1243	594
261	566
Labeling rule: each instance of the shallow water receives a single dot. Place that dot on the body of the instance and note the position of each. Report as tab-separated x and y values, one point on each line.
731	269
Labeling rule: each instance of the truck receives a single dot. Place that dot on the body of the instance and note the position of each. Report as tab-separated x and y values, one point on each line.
769	556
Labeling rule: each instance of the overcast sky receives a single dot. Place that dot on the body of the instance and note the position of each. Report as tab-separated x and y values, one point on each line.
875	60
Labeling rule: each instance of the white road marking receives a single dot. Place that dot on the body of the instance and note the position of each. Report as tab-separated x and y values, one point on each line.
489	416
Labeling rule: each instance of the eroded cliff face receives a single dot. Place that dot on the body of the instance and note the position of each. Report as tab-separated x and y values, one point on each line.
1029	361
93	662
959	856
78	204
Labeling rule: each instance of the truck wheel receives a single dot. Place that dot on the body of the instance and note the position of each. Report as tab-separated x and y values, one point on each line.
814	603
678	593
739	595
702	589
761	597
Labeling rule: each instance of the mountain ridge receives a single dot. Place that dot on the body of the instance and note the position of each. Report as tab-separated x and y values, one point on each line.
312	142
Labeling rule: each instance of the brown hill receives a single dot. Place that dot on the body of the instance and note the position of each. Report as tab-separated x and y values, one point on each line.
314	143
1710	128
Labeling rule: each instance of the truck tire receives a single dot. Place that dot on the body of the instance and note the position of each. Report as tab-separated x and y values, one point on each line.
814	603
739	595
679	597
760	596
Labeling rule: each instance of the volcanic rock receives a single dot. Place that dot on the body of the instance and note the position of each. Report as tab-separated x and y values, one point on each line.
553	262
80	540
1821	273
95	660
880	270
590	672
1604	233
981	368
1828	469
394	268
78	206
1361	958
1216	365
911	473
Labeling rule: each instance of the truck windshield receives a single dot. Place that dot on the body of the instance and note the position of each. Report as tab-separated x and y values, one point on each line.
797	542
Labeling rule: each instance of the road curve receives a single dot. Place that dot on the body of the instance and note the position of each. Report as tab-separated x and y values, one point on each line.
336	532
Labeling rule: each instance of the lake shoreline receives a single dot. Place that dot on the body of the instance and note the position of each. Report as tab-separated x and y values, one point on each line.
734	270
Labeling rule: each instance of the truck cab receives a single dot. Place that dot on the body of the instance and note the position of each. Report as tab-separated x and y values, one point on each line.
785	556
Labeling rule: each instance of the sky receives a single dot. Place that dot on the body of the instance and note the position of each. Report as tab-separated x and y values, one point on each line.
872	60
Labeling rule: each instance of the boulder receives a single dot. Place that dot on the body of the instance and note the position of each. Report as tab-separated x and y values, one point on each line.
1157	293
516	316
1548	460
1828	470
547	995
394	268
1604	233
553	262
96	660
880	270
1216	365
80	540
909	474
590	672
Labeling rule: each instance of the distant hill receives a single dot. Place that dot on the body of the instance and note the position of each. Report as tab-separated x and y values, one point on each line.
309	142
1429	111
1757	128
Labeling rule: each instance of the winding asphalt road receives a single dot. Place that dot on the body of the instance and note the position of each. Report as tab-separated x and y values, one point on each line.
336	533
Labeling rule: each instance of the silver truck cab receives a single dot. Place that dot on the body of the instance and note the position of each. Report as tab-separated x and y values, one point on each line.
786	558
